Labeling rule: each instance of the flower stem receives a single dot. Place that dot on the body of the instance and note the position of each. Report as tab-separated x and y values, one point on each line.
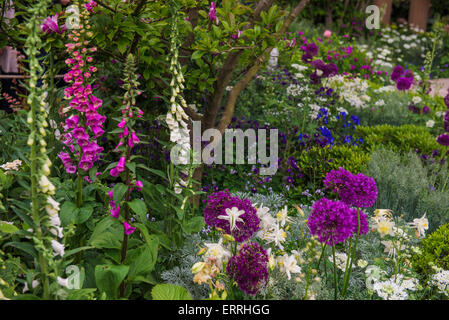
79	196
335	272
346	276
345	285
125	236
35	205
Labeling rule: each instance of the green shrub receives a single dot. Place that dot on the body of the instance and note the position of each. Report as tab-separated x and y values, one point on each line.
434	250
399	139
317	161
407	186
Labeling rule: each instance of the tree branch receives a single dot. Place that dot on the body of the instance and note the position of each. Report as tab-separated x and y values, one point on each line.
242	83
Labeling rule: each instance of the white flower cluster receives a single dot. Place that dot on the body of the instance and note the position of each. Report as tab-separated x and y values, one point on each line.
296	90
353	91
379	103
271	229
314	110
340	260
441	281
396	288
401	41
384	89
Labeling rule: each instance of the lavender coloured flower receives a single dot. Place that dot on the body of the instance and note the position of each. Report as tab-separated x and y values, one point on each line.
443	139
404	83
332	221
330	70
311	49
249	268
218	202
355	190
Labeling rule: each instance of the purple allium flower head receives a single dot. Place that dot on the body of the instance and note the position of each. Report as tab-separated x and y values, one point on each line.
413	108
318	64
330	70
443	139
399	69
332	221
218	202
425	109
404	83
249	268
311	49
355	190
306	58
409	74
315	78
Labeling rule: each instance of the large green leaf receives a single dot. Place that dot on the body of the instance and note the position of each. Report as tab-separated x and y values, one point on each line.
69	213
109	277
142	260
193	225
84	213
168	291
119	192
139	207
107	234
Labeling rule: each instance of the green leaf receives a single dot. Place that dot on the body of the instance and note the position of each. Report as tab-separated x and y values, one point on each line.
197	55
76	250
193	225
2	178
109	277
155	171
142	260
168	291
84	214
24	246
7	228
68	213
107	234
131	166
139	207
81	294
122	43
119	192
151	241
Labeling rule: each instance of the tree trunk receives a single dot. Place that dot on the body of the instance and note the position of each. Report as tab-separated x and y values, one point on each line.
387	6
418	13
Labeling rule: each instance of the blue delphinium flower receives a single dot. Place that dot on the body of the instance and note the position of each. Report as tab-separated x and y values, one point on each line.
325	132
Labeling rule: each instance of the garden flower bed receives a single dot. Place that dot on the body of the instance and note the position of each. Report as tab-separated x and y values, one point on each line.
119	179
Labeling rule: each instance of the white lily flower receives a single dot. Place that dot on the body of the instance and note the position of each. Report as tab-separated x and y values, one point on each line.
233	216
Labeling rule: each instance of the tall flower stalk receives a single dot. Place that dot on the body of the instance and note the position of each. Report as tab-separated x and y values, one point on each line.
177	120
84	126
42	189
128	140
